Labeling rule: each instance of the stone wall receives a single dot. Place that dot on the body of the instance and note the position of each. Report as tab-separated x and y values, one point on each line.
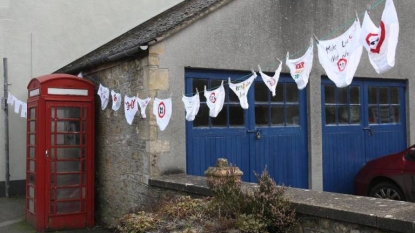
127	155
320	212
309	223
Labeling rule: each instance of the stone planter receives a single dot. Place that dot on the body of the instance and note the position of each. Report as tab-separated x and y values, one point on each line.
223	170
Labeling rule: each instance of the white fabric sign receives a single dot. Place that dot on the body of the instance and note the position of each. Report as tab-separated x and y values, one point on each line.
116	100
241	89
130	108
300	67
104	94
17	104
162	110
143	105
271	82
24	110
381	42
215	100
10	98
191	105
341	56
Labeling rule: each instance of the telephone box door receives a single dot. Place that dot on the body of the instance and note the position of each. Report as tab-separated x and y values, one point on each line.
69	165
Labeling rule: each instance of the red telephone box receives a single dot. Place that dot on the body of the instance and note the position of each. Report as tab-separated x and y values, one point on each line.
60	153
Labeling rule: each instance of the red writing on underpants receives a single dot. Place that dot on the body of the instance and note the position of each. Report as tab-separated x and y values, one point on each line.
130	105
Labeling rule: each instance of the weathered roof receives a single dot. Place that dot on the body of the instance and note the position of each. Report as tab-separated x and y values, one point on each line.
153	30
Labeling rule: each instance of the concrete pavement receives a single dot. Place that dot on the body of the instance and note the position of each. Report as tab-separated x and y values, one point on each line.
12	218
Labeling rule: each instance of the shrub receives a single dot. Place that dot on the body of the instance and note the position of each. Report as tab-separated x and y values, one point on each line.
228	199
263	208
138	223
250	223
269	204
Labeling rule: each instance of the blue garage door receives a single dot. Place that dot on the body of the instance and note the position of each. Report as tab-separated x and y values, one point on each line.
271	133
361	122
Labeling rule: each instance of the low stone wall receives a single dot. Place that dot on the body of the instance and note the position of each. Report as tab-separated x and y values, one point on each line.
321	211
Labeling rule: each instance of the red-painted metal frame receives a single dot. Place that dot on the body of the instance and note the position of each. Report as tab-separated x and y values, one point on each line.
39	99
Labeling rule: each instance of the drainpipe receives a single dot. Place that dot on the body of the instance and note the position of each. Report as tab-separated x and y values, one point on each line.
6	127
126	53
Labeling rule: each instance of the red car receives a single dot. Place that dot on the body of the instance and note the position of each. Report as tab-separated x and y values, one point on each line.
390	177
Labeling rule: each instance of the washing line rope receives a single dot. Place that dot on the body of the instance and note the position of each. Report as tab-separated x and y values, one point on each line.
328	35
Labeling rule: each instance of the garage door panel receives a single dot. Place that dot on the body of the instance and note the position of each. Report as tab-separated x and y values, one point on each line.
207	150
385	141
343	155
361	122
271	132
284	156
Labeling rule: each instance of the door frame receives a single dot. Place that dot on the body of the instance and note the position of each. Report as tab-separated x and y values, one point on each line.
79	219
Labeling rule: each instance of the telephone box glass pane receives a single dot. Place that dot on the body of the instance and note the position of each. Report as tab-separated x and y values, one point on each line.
68	112
66	180
69	153
68	166
31	178
67	207
52	195
32	139
83	139
31	192
67	139
68	193
32	152
32	166
31	206
32	113
32	125
68	126
52	209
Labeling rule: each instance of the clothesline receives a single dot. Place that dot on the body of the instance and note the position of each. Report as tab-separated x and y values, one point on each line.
295	54
339	49
339	57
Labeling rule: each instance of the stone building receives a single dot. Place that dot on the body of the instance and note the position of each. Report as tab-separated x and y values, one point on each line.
315	138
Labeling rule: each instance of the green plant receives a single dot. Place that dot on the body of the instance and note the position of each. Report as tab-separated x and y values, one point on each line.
250	223
269	204
263	208
228	198
138	223
184	207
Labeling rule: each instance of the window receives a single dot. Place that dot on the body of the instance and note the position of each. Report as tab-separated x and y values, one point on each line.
231	115
342	105
383	105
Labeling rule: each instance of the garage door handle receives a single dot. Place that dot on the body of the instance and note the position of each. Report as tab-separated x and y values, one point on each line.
369	129
257	133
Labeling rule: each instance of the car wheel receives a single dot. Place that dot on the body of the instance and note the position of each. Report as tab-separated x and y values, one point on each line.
387	190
